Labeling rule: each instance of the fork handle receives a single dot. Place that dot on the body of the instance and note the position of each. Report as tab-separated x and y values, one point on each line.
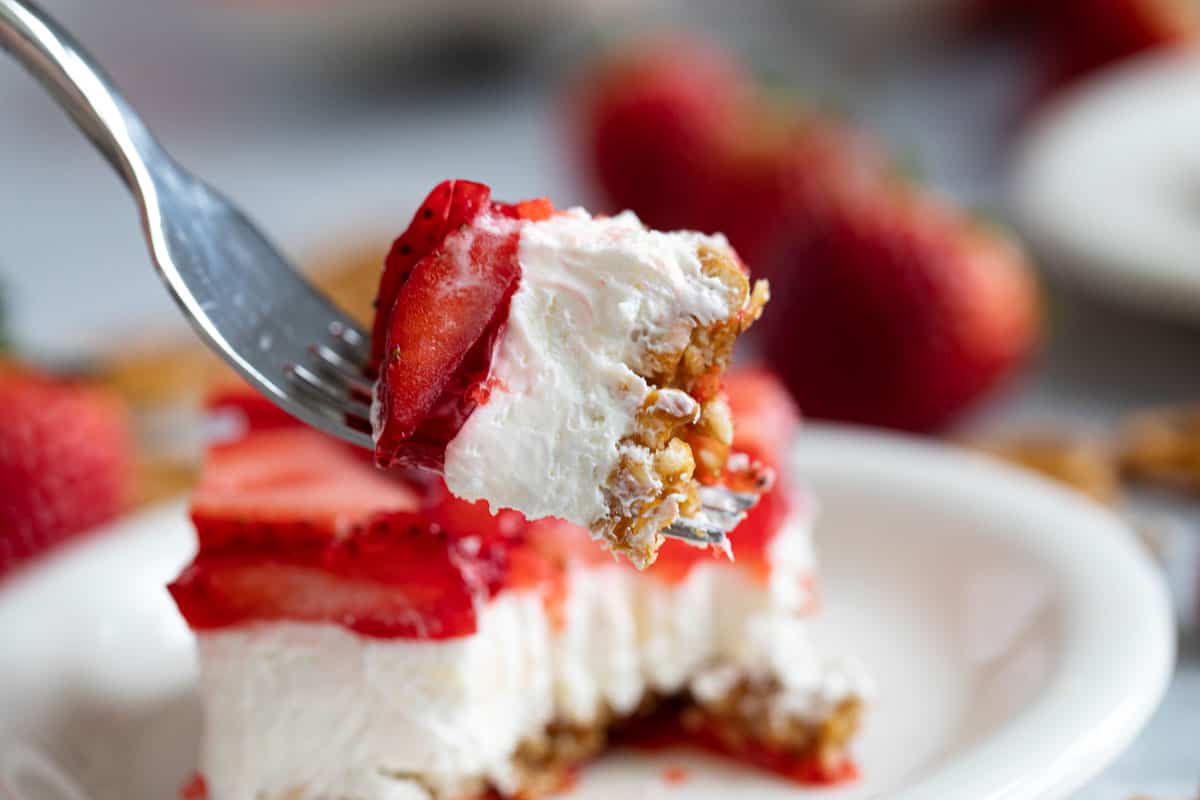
80	86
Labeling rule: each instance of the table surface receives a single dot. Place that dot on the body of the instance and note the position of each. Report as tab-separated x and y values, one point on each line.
318	159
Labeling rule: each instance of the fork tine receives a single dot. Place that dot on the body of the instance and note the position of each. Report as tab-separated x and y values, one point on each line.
727	519
337	396
698	536
351	425
353	346
336	364
723	499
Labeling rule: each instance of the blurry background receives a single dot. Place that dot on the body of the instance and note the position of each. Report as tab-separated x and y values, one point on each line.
330	121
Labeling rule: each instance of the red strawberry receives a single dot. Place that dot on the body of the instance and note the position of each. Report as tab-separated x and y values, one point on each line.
677	132
900	312
1083	36
984	15
783	172
443	300
65	462
439	336
653	122
396	576
295	525
289	486
450	205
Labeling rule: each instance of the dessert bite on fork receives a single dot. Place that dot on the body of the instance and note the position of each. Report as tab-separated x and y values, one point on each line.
564	365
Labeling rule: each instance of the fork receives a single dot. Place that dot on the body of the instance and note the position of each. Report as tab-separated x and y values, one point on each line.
238	291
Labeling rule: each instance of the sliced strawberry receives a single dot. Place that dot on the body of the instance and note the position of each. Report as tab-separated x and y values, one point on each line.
66	452
444	300
451	204
289	488
294	525
454	297
398	575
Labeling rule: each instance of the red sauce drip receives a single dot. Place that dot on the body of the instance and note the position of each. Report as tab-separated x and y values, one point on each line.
675	775
194	789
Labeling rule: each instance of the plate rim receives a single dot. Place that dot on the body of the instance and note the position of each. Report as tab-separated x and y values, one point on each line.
1016	770
1144	286
1005	764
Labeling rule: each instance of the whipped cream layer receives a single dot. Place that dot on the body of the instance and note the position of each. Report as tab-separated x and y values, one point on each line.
596	297
312	711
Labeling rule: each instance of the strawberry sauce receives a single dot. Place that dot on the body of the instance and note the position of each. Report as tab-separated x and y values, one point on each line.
663	730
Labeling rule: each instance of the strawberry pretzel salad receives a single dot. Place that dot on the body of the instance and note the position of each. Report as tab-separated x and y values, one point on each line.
440	624
561	364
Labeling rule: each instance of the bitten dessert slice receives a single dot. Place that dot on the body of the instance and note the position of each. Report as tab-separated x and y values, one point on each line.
363	638
559	364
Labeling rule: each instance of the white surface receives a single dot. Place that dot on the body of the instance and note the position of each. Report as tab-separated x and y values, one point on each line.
598	299
1018	634
1107	185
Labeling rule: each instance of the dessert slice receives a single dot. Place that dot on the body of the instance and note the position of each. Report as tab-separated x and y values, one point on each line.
412	645
559	364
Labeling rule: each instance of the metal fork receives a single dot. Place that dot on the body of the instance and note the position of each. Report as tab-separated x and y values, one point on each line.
238	291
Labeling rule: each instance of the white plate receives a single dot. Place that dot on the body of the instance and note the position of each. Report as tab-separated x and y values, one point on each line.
1019	635
1107	185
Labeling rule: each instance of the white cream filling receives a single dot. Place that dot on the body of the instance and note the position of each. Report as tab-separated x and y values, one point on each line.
595	296
314	712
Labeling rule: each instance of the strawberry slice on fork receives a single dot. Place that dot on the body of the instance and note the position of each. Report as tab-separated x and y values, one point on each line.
443	301
451	204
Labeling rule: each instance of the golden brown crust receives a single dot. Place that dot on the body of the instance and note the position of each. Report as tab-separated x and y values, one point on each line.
1083	463
743	717
676	444
1162	447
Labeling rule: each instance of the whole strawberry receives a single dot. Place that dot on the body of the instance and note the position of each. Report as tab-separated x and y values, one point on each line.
1083	36
776	181
898	311
676	131
653	123
1075	38
65	458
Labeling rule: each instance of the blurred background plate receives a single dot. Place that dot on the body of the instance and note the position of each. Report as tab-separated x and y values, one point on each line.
1107	185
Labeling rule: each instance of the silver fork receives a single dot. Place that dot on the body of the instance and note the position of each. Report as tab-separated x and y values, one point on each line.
239	292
